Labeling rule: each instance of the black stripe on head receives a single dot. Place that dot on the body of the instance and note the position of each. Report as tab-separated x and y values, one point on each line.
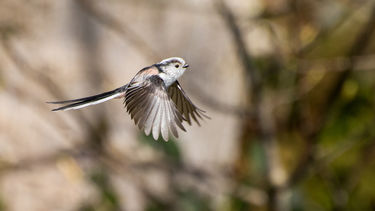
174	61
159	68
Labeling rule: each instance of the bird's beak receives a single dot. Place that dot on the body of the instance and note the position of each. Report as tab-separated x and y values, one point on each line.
185	66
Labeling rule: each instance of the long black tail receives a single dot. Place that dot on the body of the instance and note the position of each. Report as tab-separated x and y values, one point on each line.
91	100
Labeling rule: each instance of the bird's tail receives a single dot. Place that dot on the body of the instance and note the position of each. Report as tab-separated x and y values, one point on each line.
91	100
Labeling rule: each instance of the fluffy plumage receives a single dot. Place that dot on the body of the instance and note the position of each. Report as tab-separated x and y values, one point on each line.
153	98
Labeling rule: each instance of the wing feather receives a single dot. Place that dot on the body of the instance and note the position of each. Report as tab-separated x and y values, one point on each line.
156	123
148	103
151	118
163	120
172	122
147	113
184	105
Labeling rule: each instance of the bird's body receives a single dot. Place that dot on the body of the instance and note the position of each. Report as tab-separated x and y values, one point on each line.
153	98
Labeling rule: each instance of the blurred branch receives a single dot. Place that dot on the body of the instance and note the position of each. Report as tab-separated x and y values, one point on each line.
323	34
124	31
358	48
366	142
29	71
338	64
36	75
252	73
263	118
120	164
77	151
252	81
218	106
200	176
188	7
322	161
367	151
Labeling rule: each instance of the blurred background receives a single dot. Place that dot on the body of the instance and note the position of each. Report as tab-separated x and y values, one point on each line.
289	86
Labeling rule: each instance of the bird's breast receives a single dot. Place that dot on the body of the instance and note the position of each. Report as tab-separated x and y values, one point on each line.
168	79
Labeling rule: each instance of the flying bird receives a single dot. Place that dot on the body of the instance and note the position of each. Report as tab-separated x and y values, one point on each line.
153	98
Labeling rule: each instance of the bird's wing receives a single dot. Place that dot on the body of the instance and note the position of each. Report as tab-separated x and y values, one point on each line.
148	103
184	105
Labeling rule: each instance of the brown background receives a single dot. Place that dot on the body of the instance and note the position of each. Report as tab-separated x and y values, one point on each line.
289	86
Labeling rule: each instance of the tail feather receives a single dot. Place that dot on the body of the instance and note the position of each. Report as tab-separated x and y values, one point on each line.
87	101
84	98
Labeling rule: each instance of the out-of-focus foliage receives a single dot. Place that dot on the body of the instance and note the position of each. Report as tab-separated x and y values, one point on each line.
289	85
170	149
108	199
2	206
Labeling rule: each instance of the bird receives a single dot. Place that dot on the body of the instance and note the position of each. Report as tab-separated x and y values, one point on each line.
154	99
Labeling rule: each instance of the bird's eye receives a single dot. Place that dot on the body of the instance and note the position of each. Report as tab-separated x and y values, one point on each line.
177	66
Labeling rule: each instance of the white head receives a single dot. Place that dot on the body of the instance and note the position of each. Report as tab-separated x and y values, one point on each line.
173	64
172	68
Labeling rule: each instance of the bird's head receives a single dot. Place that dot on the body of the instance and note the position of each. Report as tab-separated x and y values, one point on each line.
173	65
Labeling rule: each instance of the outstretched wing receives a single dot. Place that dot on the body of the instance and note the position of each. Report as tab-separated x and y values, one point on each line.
148	103
184	105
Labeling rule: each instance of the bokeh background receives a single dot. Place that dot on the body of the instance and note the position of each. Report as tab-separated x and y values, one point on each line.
289	86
